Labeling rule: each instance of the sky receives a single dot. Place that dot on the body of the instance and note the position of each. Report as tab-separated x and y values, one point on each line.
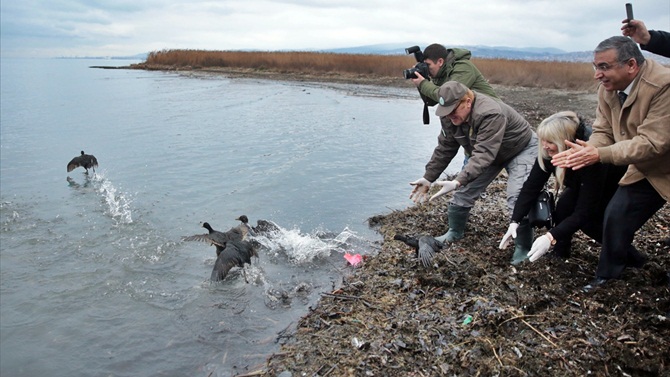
77	28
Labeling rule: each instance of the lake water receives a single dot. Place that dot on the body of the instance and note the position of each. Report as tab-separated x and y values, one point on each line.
94	277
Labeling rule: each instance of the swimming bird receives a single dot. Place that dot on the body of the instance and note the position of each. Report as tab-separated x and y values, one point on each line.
218	238
425	246
234	254
87	161
265	228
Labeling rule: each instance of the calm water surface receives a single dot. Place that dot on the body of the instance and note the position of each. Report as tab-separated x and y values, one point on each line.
94	279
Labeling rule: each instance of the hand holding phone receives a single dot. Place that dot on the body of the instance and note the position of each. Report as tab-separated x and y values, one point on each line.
629	12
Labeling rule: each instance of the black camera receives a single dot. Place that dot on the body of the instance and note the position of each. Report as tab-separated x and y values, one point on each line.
420	67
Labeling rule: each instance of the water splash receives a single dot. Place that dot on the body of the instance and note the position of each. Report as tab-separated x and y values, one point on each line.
302	248
118	203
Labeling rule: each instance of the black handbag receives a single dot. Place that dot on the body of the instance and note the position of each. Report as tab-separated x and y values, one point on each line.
542	212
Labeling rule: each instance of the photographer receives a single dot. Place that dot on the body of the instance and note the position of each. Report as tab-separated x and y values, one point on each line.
449	65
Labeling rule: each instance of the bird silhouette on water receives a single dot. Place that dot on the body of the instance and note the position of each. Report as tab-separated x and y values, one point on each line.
234	254
87	161
233	249
425	247
218	238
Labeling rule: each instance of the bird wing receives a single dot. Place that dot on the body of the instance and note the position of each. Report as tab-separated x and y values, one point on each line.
207	238
246	250
223	237
428	246
235	254
74	163
230	257
204	238
237	233
93	160
222	265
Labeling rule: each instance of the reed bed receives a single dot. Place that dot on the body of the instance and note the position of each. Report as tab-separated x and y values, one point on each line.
541	74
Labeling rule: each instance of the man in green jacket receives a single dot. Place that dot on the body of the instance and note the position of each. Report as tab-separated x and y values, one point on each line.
451	64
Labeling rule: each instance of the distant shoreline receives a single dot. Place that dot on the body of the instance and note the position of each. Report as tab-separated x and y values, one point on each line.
334	77
534	103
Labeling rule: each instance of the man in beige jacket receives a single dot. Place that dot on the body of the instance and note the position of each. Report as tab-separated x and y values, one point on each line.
632	127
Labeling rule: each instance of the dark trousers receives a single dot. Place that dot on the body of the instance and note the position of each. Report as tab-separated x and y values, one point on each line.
567	204
565	208
630	207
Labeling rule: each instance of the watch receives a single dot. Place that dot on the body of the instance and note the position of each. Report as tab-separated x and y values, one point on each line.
553	240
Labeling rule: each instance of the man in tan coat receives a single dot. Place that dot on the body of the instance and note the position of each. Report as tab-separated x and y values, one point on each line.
632	127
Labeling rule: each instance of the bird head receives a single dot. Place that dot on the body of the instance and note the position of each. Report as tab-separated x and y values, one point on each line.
207	226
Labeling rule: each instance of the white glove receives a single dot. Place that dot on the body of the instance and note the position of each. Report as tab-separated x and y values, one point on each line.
420	191
447	186
511	232
539	248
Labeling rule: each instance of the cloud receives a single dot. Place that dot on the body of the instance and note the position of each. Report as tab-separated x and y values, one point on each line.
123	27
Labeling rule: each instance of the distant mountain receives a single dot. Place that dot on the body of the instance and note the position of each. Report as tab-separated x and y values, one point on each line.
140	56
489	52
485	52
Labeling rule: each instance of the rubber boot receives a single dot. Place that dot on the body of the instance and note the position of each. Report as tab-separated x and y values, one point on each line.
457	216
523	242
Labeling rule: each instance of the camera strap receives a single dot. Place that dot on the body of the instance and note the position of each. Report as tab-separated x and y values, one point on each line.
426	115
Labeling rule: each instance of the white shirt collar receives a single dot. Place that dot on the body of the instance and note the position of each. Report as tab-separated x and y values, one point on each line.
628	88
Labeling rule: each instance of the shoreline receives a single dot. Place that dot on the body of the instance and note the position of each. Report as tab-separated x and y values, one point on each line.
473	313
534	103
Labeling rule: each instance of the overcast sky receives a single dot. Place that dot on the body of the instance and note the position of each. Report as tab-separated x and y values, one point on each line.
54	28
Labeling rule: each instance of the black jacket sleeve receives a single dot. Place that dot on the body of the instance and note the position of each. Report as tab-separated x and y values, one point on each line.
590	184
659	43
531	189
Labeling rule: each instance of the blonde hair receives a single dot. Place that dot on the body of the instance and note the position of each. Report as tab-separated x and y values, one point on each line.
556	129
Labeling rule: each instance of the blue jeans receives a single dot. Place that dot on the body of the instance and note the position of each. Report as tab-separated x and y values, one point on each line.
518	168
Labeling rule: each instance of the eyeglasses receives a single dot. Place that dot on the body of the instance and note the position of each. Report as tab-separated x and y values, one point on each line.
604	67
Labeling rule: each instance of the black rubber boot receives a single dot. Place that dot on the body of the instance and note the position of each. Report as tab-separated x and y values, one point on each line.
458	217
522	242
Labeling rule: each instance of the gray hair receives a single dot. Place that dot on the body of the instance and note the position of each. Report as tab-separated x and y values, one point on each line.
625	47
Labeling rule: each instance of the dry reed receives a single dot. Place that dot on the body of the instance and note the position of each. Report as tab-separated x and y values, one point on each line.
543	74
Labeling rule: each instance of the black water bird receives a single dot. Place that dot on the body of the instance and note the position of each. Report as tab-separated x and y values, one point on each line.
425	247
218	238
87	161
265	228
234	254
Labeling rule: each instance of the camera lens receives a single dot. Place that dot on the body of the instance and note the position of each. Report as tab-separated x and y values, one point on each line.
409	73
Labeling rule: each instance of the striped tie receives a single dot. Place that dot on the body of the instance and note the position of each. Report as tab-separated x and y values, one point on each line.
622	97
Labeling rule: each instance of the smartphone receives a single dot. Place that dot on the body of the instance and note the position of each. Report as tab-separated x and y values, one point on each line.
629	11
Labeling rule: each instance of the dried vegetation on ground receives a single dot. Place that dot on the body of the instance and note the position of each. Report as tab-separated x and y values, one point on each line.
473	314
361	68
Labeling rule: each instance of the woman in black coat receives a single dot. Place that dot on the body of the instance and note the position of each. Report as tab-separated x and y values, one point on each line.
584	193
